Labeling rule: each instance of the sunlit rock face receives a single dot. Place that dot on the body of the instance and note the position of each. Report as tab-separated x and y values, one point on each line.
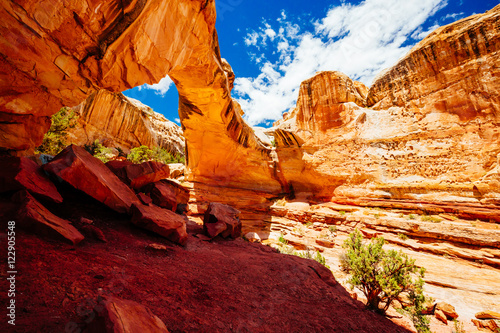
454	70
56	53
119	121
431	134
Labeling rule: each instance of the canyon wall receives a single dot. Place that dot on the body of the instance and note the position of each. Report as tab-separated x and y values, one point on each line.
428	129
119	121
56	53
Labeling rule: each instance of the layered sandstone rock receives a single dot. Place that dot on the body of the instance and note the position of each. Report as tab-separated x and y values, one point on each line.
432	135
119	121
56	54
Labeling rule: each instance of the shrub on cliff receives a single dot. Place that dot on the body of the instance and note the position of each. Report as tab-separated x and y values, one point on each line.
144	153
382	276
55	139
99	151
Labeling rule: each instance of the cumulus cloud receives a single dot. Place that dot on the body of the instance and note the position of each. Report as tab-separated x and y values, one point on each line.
160	88
359	40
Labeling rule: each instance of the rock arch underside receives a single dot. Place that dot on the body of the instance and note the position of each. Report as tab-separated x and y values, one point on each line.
424	139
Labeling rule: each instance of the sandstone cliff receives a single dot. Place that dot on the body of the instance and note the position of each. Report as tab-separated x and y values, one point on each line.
119	121
57	53
432	133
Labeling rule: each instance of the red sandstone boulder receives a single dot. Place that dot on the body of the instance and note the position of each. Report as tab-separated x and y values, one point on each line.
168	194
35	218
441	316
222	220
490	325
18	173
139	175
115	315
88	174
161	221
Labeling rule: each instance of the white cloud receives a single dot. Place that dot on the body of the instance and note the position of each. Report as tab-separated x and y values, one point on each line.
359	40
160	88
177	120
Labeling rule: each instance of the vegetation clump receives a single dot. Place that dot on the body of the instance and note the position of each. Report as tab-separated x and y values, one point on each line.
99	151
55	139
384	275
144	154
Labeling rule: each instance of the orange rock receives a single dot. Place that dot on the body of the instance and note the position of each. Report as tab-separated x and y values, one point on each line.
119	121
447	309
169	195
441	316
488	315
88	174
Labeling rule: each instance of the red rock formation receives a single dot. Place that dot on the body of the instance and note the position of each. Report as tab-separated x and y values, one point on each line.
88	174
139	175
119	121
168	194
35	218
222	220
123	316
161	221
22	173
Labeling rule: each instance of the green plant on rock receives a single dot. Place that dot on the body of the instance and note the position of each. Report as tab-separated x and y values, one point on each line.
402	237
382	276
317	257
99	151
412	217
55	139
144	154
333	229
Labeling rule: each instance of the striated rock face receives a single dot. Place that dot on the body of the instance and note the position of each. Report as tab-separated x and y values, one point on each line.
454	71
432	134
56	54
119	121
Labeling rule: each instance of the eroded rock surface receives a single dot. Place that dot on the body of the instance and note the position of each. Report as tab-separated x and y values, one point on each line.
119	121
86	173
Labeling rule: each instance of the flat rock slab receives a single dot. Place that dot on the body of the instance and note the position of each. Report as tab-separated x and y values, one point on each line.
124	316
139	175
88	174
19	173
161	221
222	220
35	218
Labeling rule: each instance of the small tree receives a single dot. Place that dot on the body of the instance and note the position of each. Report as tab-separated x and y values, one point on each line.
144	153
382	276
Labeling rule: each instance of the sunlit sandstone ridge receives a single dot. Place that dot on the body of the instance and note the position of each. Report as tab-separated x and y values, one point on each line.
119	121
56	53
431	134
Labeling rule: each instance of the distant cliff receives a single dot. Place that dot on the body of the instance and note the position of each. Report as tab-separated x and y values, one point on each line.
119	121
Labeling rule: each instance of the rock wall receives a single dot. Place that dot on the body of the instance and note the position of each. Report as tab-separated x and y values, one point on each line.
432	132
57	53
119	121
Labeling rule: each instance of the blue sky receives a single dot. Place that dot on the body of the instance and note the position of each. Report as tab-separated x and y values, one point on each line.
273	46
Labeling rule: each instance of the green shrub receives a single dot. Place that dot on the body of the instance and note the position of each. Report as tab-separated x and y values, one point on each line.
342	213
144	153
318	257
382	276
402	237
99	151
333	229
412	217
55	139
309	224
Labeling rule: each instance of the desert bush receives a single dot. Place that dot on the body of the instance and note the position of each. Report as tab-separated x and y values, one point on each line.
99	151
144	153
382	276
55	139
